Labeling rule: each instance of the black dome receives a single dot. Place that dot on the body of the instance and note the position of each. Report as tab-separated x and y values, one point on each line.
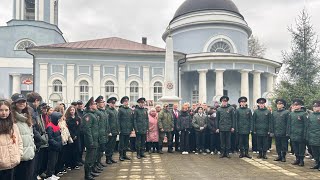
190	6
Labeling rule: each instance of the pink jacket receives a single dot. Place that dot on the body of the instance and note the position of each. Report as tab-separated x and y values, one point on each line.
153	133
11	149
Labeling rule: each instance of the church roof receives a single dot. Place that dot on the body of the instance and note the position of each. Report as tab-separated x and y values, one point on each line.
112	43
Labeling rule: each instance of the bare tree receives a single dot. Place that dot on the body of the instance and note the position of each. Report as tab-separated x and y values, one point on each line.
256	48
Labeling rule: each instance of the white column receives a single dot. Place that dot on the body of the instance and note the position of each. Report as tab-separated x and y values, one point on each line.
245	82
16	83
41	10
70	83
256	85
219	82
270	83
43	80
146	82
18	10
52	12
22	9
96	80
122	81
203	85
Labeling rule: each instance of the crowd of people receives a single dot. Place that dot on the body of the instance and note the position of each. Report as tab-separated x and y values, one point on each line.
42	142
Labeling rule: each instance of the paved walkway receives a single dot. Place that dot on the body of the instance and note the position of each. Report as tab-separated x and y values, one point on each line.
195	167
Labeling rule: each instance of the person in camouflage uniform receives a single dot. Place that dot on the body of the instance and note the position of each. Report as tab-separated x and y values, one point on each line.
141	126
297	131
225	125
114	129
280	119
166	126
262	127
313	133
91	135
125	116
243	118
103	126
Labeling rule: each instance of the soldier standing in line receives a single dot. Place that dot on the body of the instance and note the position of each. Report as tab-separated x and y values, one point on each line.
91	134
262	127
141	126
297	131
313	133
103	124
114	129
125	116
225	125
243	126
279	129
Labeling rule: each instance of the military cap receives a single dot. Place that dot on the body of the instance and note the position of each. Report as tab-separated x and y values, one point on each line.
261	100
224	98
99	99
124	98
245	99
111	99
141	99
282	101
89	102
297	102
316	103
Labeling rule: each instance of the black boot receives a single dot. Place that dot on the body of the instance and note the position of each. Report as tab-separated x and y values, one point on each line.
283	157
87	174
99	165
247	154
121	158
316	166
170	149
241	154
301	163
228	154
95	170
297	161
142	153
113	161
264	155
260	155
98	168
94	174
103	165
279	158
138	154
108	160
125	156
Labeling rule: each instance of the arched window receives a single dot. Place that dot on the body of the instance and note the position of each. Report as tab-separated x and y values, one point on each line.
29	10
84	90
134	91
157	91
22	45
221	47
109	88
57	86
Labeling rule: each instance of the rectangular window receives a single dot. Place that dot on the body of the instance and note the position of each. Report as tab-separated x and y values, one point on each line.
57	69
109	70
84	70
157	71
134	71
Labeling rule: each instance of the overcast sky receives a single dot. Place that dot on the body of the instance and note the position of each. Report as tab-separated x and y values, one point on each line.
132	19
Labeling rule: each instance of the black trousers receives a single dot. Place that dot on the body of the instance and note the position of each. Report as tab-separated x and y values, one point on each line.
316	153
133	144
52	162
123	142
254	142
215	142
200	139
176	137
192	141
225	140
299	148
81	147
234	142
184	140
41	160
141	142
152	145
169	137
61	159
7	174
281	144
269	142
111	144
262	143
72	154
243	142
25	170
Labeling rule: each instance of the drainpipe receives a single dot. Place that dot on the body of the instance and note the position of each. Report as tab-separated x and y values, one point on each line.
33	68
180	62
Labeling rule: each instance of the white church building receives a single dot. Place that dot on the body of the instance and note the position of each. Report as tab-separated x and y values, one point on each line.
206	57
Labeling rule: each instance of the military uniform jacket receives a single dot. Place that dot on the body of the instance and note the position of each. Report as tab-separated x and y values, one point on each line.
280	123
125	116
113	121
140	120
243	120
297	126
90	126
103	121
262	120
165	121
225	118
313	129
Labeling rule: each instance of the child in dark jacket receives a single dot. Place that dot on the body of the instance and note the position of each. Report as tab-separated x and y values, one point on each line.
55	144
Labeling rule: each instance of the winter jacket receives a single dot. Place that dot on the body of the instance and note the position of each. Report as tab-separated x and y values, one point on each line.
65	134
225	118
262	122
55	139
165	120
297	126
74	126
184	121
280	122
113	121
11	149
243	117
313	129
199	121
90	129
125	116
103	125
140	120
212	123
39	129
153	133
26	134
